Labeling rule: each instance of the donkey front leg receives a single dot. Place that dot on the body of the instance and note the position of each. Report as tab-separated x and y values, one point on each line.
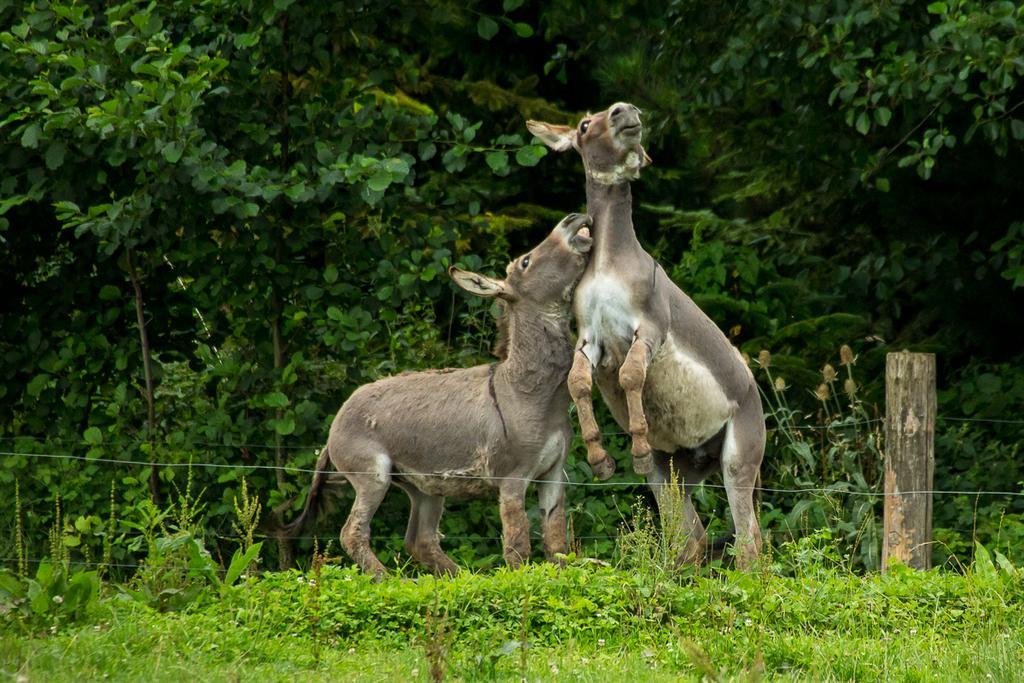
551	496
515	526
581	391
632	376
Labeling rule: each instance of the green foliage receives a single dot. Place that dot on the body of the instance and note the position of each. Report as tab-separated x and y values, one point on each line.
579	621
277	190
53	596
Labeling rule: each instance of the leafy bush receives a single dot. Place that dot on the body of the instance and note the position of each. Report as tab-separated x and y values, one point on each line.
218	220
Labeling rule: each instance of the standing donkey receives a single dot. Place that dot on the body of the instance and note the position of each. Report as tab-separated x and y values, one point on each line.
666	372
475	431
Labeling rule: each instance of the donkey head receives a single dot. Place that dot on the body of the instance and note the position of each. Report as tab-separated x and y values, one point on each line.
608	141
545	276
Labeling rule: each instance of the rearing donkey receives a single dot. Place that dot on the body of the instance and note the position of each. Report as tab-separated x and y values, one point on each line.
665	370
475	431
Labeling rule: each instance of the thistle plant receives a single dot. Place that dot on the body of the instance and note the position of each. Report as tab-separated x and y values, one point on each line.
840	450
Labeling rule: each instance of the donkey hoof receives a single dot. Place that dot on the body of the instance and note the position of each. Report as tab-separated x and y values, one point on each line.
603	469
643	464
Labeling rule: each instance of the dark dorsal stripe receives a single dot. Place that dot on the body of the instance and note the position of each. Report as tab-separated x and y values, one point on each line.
494	397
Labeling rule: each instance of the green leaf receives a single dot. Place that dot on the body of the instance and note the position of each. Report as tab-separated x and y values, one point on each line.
1017	129
109	293
330	274
498	161
284	426
882	116
882	184
427	150
36	385
30	136
240	562
863	123
93	436
98	73
938	8
511	5
530	155
275	399
236	170
522	30
172	151
379	181
122	43
55	155
486	27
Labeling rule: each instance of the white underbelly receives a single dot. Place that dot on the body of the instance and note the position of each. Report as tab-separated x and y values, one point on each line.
684	403
606	319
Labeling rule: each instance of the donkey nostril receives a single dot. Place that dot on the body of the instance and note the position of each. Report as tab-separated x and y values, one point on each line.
616	111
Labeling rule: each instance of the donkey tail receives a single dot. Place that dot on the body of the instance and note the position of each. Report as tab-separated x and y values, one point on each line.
313	498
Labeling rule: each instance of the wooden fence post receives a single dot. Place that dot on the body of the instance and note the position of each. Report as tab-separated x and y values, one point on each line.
909	458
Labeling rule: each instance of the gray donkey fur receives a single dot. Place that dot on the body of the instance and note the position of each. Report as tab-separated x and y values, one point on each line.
471	432
665	370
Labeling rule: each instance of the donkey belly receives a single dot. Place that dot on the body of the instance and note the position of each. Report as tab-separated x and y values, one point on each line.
446	460
684	403
685	406
473	480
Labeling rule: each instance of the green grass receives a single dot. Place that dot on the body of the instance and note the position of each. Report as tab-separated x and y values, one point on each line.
585	622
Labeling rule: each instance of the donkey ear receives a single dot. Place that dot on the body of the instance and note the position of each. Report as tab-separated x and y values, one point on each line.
558	138
478	284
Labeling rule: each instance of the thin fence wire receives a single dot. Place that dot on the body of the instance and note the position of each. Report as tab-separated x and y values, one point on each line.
842	424
832	490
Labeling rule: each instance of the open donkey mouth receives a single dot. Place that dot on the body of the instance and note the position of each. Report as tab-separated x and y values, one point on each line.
582	241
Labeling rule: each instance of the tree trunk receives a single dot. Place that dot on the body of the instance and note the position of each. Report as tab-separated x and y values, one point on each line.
147	369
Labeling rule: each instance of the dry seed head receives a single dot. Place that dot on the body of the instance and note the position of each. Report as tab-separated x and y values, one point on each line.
764	358
821	393
780	384
828	373
850	387
846	356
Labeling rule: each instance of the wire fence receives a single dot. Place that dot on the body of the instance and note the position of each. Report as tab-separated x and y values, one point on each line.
834	489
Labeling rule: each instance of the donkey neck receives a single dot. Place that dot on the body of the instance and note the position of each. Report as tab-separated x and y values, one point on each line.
539	353
611	207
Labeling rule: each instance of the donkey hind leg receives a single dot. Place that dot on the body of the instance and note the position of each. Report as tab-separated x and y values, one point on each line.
581	383
551	496
422	539
370	487
676	507
741	466
632	376
515	525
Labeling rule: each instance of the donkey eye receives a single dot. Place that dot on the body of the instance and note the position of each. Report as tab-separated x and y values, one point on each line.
583	127
525	262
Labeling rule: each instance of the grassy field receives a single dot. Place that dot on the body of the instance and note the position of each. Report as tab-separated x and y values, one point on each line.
586	622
